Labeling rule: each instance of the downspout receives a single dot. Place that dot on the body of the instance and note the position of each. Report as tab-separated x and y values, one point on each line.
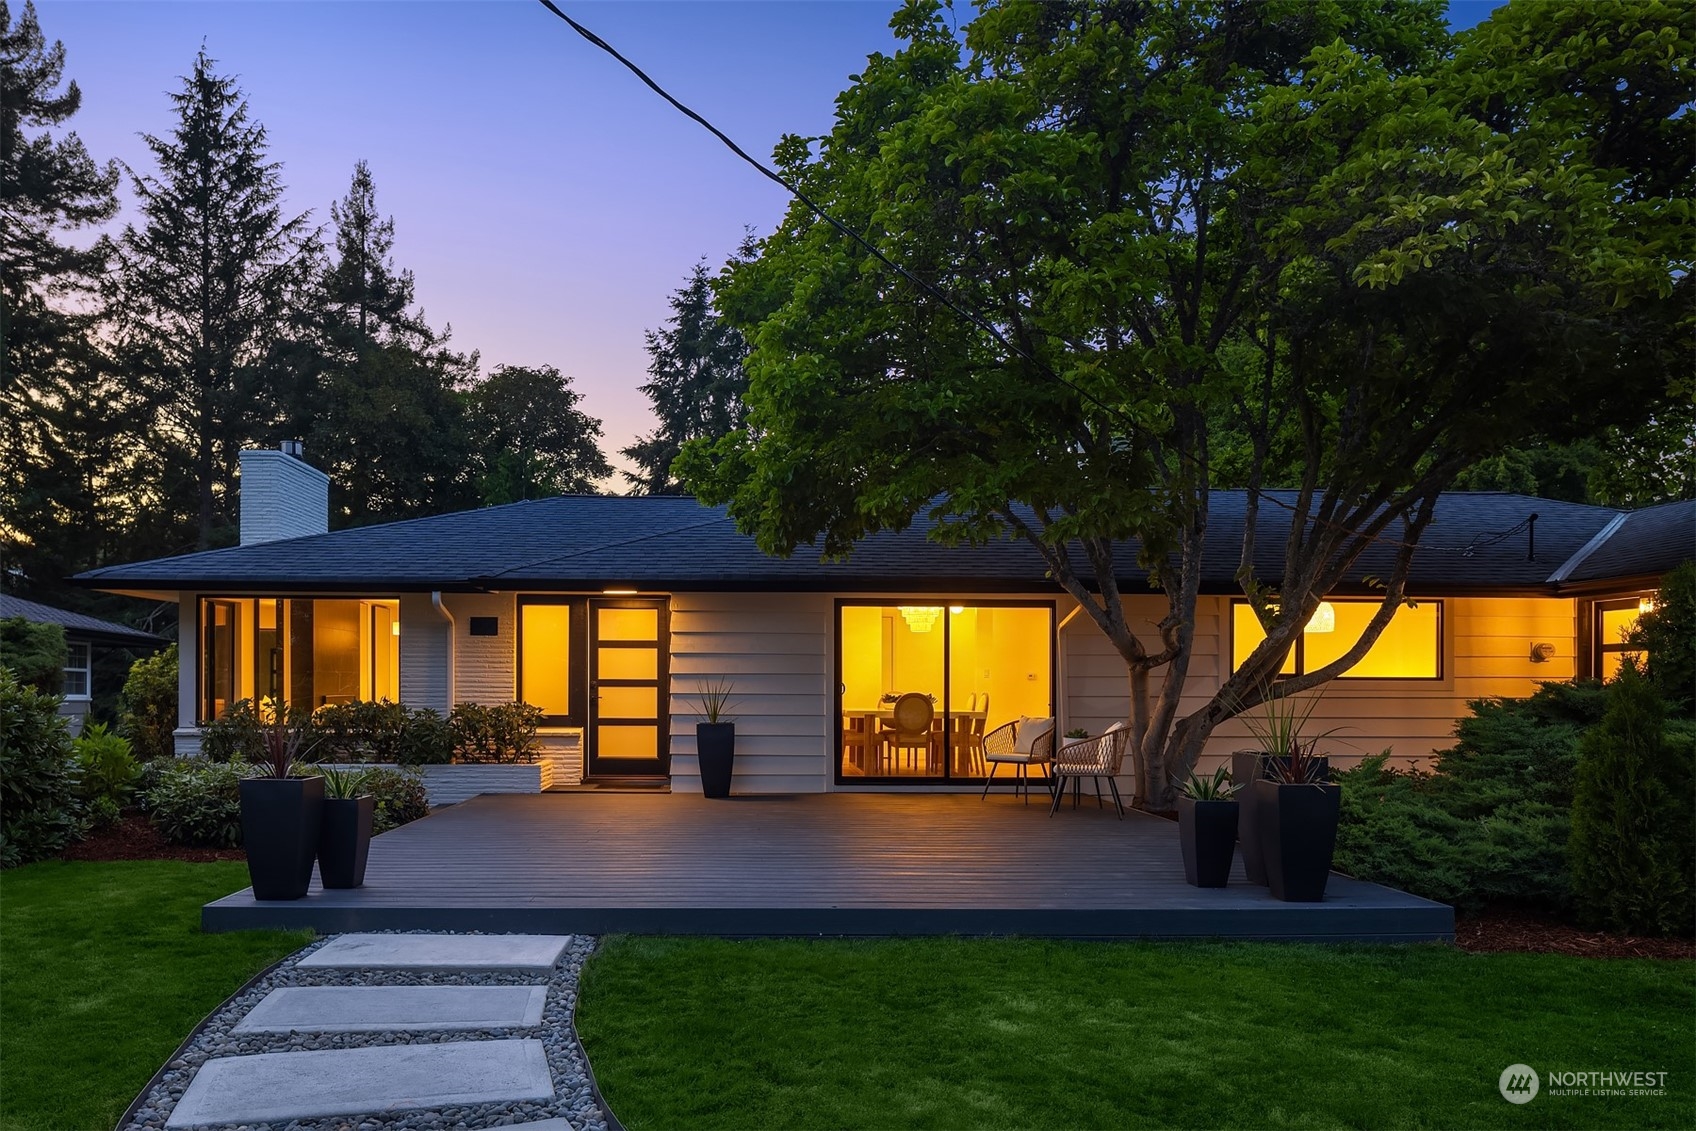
441	611
1060	719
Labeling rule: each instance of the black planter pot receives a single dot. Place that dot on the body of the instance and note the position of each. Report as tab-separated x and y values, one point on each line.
715	743
1248	767
1298	834
344	841
280	820
1207	832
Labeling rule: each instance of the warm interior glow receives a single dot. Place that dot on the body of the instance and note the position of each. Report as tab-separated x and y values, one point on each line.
619	592
1645	605
303	652
544	662
920	618
1324	619
1409	647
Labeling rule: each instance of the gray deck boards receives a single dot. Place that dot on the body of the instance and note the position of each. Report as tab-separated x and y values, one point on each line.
830	864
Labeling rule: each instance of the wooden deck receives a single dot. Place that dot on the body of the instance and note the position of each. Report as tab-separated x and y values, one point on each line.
814	864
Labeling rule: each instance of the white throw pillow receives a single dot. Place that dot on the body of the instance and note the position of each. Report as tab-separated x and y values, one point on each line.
1027	733
1120	725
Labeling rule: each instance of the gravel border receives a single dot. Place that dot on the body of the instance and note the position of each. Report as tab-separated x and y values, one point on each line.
575	1095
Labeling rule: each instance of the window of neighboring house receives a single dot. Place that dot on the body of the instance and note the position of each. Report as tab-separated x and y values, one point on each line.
79	675
1410	647
1610	623
299	651
552	657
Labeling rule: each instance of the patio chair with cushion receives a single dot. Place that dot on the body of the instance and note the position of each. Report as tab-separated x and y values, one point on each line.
1023	743
911	730
1095	758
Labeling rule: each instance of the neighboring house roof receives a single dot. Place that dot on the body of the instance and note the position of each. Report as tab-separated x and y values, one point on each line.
1646	544
76	625
1478	542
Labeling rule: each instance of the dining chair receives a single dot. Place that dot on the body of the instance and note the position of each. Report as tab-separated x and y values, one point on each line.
912	718
859	745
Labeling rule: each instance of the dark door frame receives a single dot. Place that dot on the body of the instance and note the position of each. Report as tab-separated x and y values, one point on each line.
594	766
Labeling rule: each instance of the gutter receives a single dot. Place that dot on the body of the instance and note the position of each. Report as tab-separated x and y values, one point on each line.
441	611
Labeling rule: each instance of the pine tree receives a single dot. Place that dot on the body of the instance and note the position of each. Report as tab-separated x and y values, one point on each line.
367	298
695	361
205	288
61	414
533	439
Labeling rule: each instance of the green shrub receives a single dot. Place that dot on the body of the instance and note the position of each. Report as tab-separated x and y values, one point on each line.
148	705
1633	845
108	769
35	653
1667	636
504	734
39	810
237	737
428	740
400	798
381	732
196	802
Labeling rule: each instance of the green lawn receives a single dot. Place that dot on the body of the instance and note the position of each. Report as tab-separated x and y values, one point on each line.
103	972
957	1033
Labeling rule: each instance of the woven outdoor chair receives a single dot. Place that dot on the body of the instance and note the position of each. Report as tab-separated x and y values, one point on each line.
1001	748
1095	758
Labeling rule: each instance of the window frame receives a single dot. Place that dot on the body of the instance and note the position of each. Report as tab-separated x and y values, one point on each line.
247	644
947	778
1298	653
577	656
1594	646
73	648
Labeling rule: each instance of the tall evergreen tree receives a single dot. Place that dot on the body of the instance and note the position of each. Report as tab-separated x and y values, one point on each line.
533	440
695	361
61	415
205	286
366	296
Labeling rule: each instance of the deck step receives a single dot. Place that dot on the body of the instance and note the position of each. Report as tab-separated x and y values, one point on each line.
515	953
359	1009
279	1086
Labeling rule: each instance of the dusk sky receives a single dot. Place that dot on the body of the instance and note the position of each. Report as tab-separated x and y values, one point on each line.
547	201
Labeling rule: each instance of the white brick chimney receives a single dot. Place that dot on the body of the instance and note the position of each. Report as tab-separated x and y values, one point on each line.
282	496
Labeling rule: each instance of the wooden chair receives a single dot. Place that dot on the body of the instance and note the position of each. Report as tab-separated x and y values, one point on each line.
859	744
967	744
913	715
1095	758
1006	746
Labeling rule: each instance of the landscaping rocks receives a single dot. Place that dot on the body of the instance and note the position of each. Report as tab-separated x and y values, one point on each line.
573	1098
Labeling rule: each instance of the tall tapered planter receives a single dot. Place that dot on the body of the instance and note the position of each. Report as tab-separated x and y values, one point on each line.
1248	767
344	841
280	823
715	746
1298	834
1207	834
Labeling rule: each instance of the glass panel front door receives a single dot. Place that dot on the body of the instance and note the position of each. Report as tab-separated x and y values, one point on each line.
629	732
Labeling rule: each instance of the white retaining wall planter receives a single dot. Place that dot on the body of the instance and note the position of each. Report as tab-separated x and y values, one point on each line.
447	785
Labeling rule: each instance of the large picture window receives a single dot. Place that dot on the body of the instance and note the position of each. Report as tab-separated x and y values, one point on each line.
971	667
297	652
552	659
1410	647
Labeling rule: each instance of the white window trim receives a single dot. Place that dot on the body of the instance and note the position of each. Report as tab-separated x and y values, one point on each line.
86	668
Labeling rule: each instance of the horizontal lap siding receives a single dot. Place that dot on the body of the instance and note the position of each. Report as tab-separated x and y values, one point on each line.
485	667
775	649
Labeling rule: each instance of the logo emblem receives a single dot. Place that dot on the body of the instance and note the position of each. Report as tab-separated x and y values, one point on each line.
1519	1084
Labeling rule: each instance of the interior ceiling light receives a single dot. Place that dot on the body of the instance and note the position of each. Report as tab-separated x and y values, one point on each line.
920	618
1324	619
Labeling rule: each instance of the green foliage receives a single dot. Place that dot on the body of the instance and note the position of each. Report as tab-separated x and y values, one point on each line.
533	440
38	781
400	798
236	737
149	705
198	803
713	696
505	733
697	384
382	732
34	653
341	784
109	771
1668	637
1219	787
1633	845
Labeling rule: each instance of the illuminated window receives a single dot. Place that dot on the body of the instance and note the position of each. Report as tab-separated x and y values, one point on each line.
1611	623
978	666
1411	646
302	652
550	649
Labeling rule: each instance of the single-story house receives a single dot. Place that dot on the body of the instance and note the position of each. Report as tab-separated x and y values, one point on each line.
610	614
84	635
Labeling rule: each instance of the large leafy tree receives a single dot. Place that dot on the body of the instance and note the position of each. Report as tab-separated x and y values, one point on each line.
63	419
1304	218
532	439
697	384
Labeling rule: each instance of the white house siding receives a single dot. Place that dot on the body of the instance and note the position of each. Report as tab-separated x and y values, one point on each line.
424	653
776	650
485	667
1486	652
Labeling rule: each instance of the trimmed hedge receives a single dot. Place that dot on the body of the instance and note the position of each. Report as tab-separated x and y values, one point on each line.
501	735
39	809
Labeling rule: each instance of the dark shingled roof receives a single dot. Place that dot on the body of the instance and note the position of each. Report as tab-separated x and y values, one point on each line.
75	624
1646	544
1478	542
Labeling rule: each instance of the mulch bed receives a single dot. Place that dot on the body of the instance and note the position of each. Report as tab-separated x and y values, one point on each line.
1509	930
132	838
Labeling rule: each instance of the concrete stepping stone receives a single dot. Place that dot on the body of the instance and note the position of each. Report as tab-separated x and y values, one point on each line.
358	1009
279	1086
518	953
